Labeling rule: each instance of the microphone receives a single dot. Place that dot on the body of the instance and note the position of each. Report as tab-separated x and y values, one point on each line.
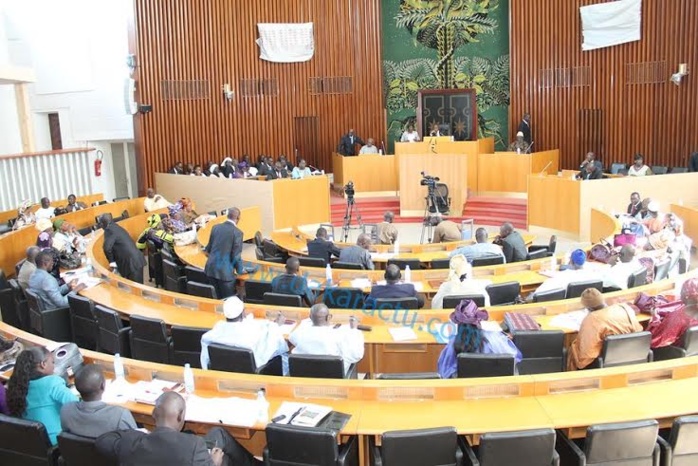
383	148
542	172
528	149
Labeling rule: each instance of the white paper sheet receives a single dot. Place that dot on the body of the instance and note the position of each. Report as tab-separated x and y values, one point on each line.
402	333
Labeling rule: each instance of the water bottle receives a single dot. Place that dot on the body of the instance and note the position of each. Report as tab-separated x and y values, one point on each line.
553	263
90	267
396	248
262	407
518	150
118	367
408	274
188	379
328	274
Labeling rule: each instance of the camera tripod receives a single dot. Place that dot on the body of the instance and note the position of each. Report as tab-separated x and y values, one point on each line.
431	210
348	214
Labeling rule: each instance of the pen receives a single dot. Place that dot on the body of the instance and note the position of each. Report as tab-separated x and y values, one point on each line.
293	416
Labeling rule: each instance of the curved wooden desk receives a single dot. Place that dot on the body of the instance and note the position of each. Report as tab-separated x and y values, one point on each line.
87	199
658	390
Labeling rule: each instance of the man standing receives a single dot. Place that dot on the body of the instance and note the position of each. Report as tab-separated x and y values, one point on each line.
293	283
168	445
525	128
446	231
394	289
224	251
347	145
321	247
601	322
322	339
91	417
386	231
121	251
46	286
261	336
369	148
512	243
358	253
481	248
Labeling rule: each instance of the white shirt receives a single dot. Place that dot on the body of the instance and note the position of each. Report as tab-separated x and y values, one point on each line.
345	342
564	278
617	276
156	203
368	150
471	286
45	213
642	171
262	337
409	137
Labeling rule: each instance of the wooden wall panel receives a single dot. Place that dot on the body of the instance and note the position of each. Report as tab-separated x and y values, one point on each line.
625	103
213	42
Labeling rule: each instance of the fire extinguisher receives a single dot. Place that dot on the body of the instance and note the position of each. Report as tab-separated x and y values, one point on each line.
98	163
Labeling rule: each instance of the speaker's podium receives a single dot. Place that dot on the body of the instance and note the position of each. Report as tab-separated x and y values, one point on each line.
454	162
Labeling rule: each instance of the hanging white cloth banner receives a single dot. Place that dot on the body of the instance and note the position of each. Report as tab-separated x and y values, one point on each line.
286	42
613	23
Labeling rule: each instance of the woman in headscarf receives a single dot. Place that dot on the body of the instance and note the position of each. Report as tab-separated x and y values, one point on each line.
66	237
668	327
215	171
470	337
460	282
188	212
228	167
176	221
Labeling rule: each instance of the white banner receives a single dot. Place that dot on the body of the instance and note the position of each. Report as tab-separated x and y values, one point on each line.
286	42
612	23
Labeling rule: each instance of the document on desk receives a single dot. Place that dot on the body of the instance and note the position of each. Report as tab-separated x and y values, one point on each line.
402	333
232	411
382	256
301	414
147	392
571	320
361	283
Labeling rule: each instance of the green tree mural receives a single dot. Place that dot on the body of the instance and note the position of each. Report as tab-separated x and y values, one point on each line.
443	44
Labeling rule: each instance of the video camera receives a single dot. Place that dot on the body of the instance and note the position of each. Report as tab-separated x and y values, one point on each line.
349	190
429	181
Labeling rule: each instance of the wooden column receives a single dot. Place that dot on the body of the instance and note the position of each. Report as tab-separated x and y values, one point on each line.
24	118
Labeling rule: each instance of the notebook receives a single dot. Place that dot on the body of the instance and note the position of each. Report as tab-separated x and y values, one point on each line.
517	321
300	414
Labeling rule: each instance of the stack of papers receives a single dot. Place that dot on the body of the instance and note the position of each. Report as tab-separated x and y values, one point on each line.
402	333
382	255
571	320
232	411
148	392
361	283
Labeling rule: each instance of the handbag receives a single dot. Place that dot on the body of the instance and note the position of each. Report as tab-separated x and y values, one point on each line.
601	252
625	237
70	261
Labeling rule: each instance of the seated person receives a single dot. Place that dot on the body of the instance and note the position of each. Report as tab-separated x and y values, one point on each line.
626	264
74	205
321	247
386	231
154	201
264	167
590	172
394	289
445	231
177	169
369	148
45	285
168	445
28	267
293	283
155	232
262	337
278	172
590	159
228	167
635	205
301	171
519	145
435	131
601	322
638	168
320	338
460	282
512	243
471	338
411	135
668	328
66	237
573	272
285	163
189	215
91	417
24	215
34	393
46	211
358	254
481	249
197	171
